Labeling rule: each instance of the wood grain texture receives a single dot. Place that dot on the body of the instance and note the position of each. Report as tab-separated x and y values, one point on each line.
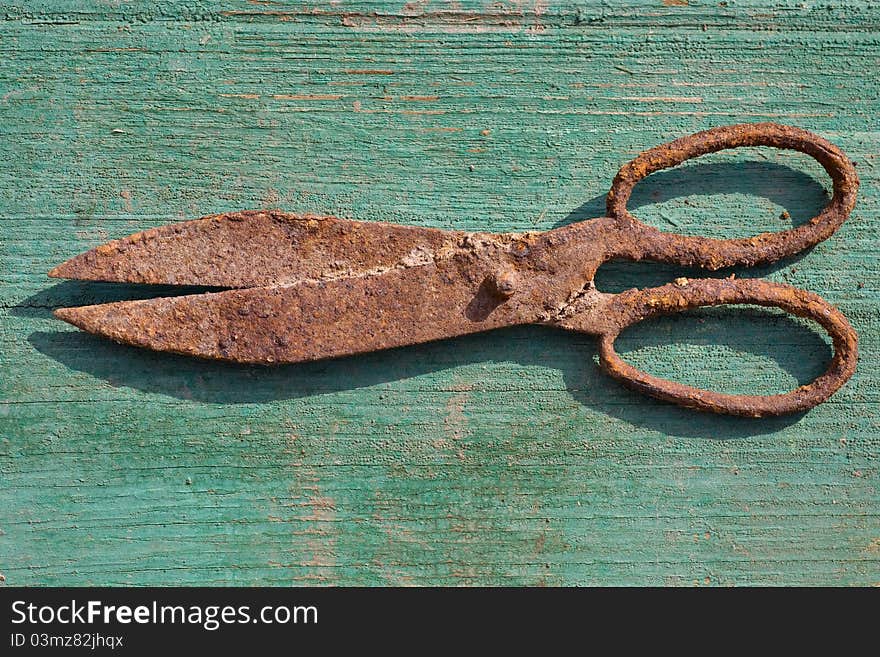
502	458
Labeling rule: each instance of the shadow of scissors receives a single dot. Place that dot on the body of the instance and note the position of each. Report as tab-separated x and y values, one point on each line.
301	288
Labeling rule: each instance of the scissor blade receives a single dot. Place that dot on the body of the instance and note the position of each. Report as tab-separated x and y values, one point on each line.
255	248
311	320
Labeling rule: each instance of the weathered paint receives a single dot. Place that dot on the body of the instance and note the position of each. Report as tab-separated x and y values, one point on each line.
499	458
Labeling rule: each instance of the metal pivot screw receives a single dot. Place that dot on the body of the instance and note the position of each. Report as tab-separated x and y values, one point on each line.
503	283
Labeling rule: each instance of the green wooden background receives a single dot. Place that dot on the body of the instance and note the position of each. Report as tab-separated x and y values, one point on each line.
503	458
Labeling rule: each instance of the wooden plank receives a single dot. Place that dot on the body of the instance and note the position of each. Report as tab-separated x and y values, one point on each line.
503	458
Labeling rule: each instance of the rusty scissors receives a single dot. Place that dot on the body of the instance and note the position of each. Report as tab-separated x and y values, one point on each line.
302	287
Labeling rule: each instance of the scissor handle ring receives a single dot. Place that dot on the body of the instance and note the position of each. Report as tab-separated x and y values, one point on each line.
713	253
631	307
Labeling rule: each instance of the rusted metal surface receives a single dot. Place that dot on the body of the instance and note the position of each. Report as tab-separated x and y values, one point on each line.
760	249
305	287
254	248
636	305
